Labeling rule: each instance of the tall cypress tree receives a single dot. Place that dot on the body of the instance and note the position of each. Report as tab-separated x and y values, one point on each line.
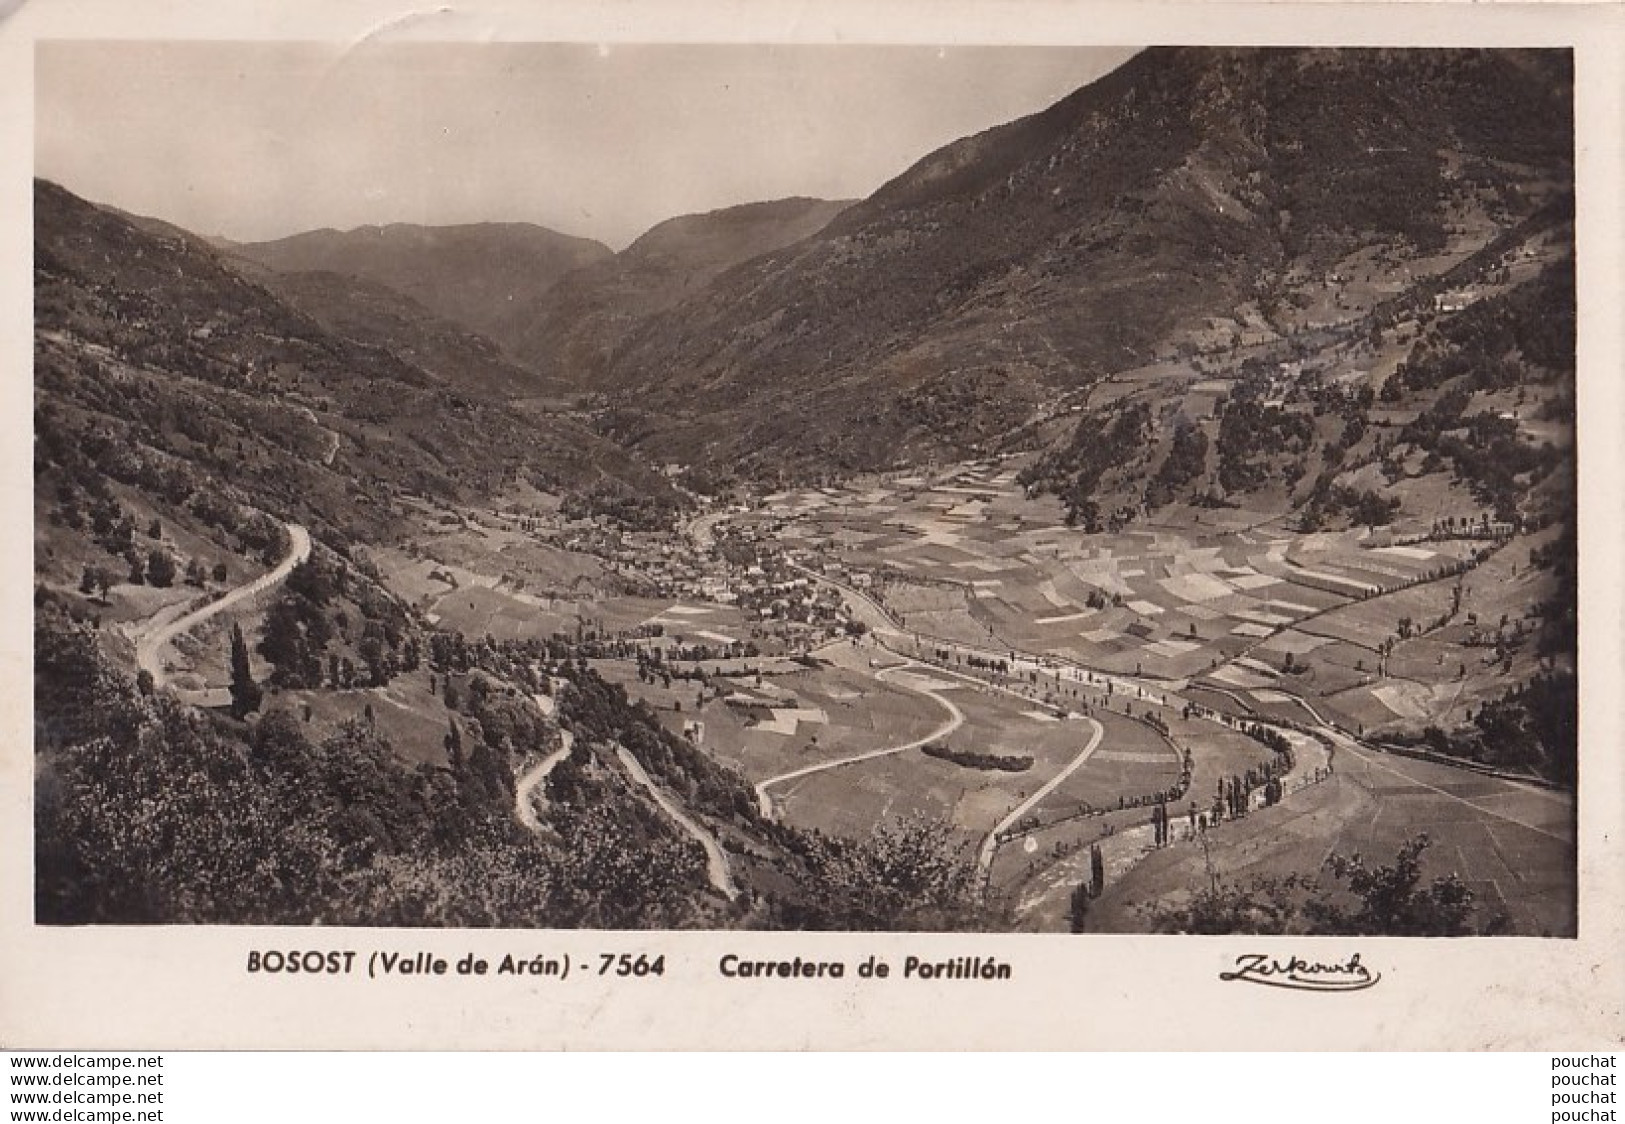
1080	906
245	693
454	748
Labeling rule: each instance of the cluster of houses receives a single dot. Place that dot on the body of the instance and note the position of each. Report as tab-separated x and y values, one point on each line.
669	564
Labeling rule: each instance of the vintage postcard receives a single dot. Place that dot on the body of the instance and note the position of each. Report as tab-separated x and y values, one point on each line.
580	528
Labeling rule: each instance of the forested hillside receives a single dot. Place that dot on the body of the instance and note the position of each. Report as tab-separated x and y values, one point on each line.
1191	192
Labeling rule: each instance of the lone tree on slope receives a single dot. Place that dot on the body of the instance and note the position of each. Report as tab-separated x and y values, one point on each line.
245	693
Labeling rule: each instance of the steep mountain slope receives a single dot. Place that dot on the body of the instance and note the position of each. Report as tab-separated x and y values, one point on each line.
364	770
162	369
169	232
468	274
1188	191
375	315
571	332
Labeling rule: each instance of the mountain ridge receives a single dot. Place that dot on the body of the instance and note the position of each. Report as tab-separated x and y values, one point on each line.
572	331
467	273
222	377
1038	257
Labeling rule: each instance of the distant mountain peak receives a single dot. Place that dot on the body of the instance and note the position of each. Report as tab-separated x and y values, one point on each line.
1038	257
468	273
571	332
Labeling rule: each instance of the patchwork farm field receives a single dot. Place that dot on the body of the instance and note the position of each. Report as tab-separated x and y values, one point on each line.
967	559
1513	844
1132	762
793	719
1368	623
1221	610
1243	618
1039	870
853	799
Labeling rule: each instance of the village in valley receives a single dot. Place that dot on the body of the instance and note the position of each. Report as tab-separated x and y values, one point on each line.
941	643
1130	518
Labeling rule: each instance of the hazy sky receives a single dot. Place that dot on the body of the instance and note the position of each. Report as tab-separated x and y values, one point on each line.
255	141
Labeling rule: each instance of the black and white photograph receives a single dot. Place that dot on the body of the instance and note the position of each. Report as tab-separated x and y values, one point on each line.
1054	490
576	527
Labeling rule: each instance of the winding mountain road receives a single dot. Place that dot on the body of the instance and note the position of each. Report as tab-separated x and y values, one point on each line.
149	648
1124	849
717	868
530	782
956	719
984	857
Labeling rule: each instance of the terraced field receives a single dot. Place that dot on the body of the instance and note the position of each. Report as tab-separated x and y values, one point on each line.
1221	610
1238	616
966	557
